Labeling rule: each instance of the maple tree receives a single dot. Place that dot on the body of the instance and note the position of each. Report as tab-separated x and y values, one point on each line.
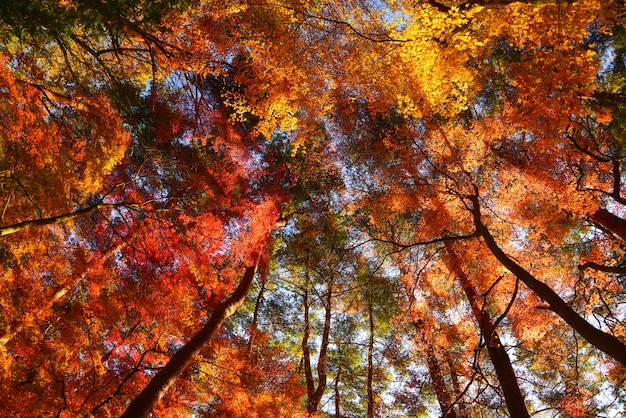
348	208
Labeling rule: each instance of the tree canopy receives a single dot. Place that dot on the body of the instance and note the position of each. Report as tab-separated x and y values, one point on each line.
313	208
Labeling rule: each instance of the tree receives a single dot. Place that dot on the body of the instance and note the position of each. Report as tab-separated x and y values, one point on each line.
143	403
497	352
603	341
443	181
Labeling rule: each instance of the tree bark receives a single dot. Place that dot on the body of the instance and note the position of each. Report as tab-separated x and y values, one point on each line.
314	394
254	326
337	395
141	406
321	360
613	223
497	353
444	8
306	351
434	370
603	341
607	99
456	387
599	267
11	229
82	103
370	361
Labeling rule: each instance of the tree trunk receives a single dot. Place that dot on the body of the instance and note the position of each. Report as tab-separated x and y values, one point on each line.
497	353
609	99
306	351
314	395
337	395
462	413
321	360
613	223
434	370
605	342
254	326
370	362
141	406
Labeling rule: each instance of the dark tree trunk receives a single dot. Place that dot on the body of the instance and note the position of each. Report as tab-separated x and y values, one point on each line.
462	413
254	326
370	362
609	99
434	370
141	406
306	351
497	353
337	395
321	360
603	341
314	395
485	3
613	223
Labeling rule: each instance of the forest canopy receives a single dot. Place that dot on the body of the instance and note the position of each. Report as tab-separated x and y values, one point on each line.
340	208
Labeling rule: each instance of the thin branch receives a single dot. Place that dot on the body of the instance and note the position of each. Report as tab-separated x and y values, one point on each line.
133	371
509	306
443	239
602	159
369	37
11	229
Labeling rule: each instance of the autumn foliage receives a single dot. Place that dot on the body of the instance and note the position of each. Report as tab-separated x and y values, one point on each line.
339	208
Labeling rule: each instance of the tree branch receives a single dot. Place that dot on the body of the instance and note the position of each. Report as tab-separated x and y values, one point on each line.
607	343
141	406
